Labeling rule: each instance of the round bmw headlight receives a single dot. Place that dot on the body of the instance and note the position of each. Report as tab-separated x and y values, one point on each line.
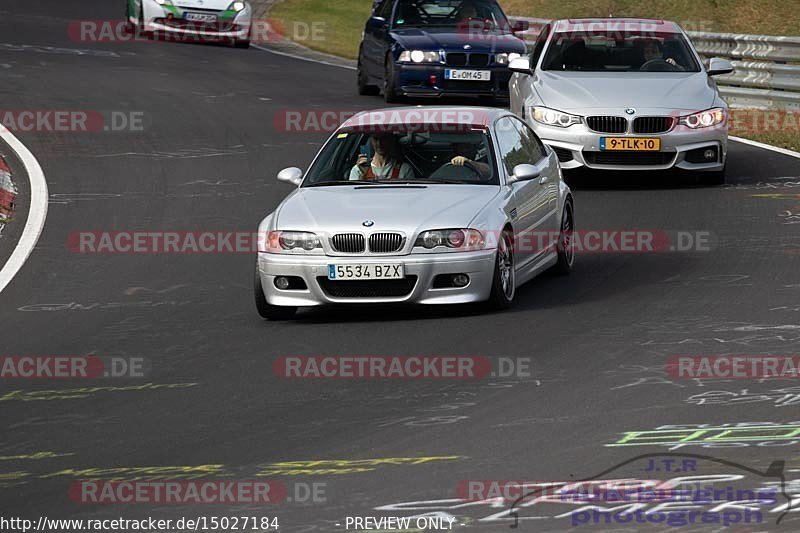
456	238
417	56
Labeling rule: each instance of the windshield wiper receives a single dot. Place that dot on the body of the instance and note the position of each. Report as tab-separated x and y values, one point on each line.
340	182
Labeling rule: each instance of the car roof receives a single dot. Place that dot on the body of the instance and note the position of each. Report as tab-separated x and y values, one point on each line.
616	24
445	115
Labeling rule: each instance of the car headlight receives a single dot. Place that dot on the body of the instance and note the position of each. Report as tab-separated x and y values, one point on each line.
505	59
237	6
461	240
551	117
704	119
418	56
292	242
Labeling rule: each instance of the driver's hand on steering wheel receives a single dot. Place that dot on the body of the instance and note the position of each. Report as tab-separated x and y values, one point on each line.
671	62
459	161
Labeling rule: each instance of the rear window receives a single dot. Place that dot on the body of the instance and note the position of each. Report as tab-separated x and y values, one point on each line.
629	51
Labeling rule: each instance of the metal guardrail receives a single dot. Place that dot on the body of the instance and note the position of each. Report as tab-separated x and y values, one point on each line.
764	76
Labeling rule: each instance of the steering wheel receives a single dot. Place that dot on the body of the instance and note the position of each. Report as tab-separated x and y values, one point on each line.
466	165
660	64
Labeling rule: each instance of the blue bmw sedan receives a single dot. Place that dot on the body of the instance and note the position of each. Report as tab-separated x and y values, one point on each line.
435	48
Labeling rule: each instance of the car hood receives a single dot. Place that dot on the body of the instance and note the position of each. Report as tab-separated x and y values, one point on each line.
409	209
583	91
450	39
203	4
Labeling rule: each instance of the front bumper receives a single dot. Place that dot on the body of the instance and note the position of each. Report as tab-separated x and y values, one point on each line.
415	80
479	266
170	20
578	146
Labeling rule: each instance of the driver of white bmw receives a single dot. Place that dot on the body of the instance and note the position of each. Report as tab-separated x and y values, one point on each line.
385	164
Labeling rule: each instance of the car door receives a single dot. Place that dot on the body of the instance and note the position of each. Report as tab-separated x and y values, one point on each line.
529	210
521	85
376	38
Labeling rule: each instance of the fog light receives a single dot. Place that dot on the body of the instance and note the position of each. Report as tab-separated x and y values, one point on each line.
460	280
710	154
282	283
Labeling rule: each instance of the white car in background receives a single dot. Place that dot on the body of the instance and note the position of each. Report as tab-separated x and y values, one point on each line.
219	20
623	94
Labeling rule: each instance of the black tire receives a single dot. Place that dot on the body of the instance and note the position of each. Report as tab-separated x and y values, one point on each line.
503	289
364	88
389	88
140	31
265	309
566	247
241	43
715	178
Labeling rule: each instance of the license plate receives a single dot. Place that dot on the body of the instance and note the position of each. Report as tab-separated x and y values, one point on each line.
630	144
199	17
469	75
371	271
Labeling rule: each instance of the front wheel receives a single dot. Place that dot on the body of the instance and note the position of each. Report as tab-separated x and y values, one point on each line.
389	89
503	284
267	310
241	43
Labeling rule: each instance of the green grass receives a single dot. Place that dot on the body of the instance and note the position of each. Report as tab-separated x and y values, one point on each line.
790	141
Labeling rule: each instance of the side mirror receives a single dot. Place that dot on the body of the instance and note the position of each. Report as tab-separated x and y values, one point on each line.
525	172
376	23
291	175
521	65
518	26
718	66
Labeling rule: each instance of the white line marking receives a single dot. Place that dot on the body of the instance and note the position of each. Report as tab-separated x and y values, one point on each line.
294	56
36	215
784	151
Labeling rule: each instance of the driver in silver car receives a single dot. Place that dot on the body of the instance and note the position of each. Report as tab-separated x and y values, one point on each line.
653	52
462	160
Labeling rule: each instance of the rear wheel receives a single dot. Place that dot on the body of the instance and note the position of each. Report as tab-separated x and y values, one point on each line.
364	88
566	245
503	284
389	89
267	310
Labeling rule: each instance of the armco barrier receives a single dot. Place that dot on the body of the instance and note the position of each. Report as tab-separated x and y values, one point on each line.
767	67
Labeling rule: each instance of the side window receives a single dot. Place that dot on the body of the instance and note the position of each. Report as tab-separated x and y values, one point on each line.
534	150
509	141
538	46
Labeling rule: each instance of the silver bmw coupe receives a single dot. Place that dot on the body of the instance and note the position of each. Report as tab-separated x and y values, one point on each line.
433	205
623	94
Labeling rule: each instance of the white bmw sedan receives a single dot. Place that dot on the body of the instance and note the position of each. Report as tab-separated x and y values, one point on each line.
416	205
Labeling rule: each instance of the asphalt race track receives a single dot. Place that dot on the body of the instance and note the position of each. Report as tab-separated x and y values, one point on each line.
212	406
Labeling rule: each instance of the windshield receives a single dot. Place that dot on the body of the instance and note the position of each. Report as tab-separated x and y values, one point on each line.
464	14
424	154
616	52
